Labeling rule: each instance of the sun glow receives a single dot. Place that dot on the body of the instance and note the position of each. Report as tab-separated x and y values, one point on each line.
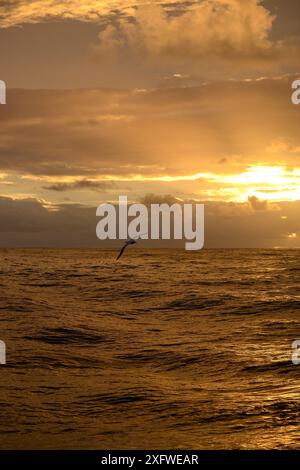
275	183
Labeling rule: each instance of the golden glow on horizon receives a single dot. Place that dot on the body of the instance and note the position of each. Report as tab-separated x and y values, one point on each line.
273	183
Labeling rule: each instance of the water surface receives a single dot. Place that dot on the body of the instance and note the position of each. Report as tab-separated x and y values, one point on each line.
166	349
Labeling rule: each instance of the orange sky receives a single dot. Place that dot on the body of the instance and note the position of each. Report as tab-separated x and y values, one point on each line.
185	100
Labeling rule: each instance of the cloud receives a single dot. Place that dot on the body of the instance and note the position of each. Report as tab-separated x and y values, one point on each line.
237	225
257	204
34	223
144	40
16	12
99	186
282	146
149	199
223	29
207	141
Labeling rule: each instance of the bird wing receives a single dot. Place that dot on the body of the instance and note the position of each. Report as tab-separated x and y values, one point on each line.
122	251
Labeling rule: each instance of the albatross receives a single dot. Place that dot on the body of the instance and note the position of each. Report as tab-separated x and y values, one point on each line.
131	241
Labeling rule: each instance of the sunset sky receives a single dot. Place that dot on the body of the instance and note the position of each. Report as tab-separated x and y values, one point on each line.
186	100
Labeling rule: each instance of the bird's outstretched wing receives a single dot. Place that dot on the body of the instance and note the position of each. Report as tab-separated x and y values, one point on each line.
122	251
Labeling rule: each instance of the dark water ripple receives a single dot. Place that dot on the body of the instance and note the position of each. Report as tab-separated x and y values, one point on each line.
163	350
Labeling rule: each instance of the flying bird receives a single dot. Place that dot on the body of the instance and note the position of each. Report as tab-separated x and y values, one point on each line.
131	241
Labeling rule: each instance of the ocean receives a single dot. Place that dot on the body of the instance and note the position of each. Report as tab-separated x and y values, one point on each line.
162	350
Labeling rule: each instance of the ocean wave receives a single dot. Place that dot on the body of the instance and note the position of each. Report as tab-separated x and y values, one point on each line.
63	335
